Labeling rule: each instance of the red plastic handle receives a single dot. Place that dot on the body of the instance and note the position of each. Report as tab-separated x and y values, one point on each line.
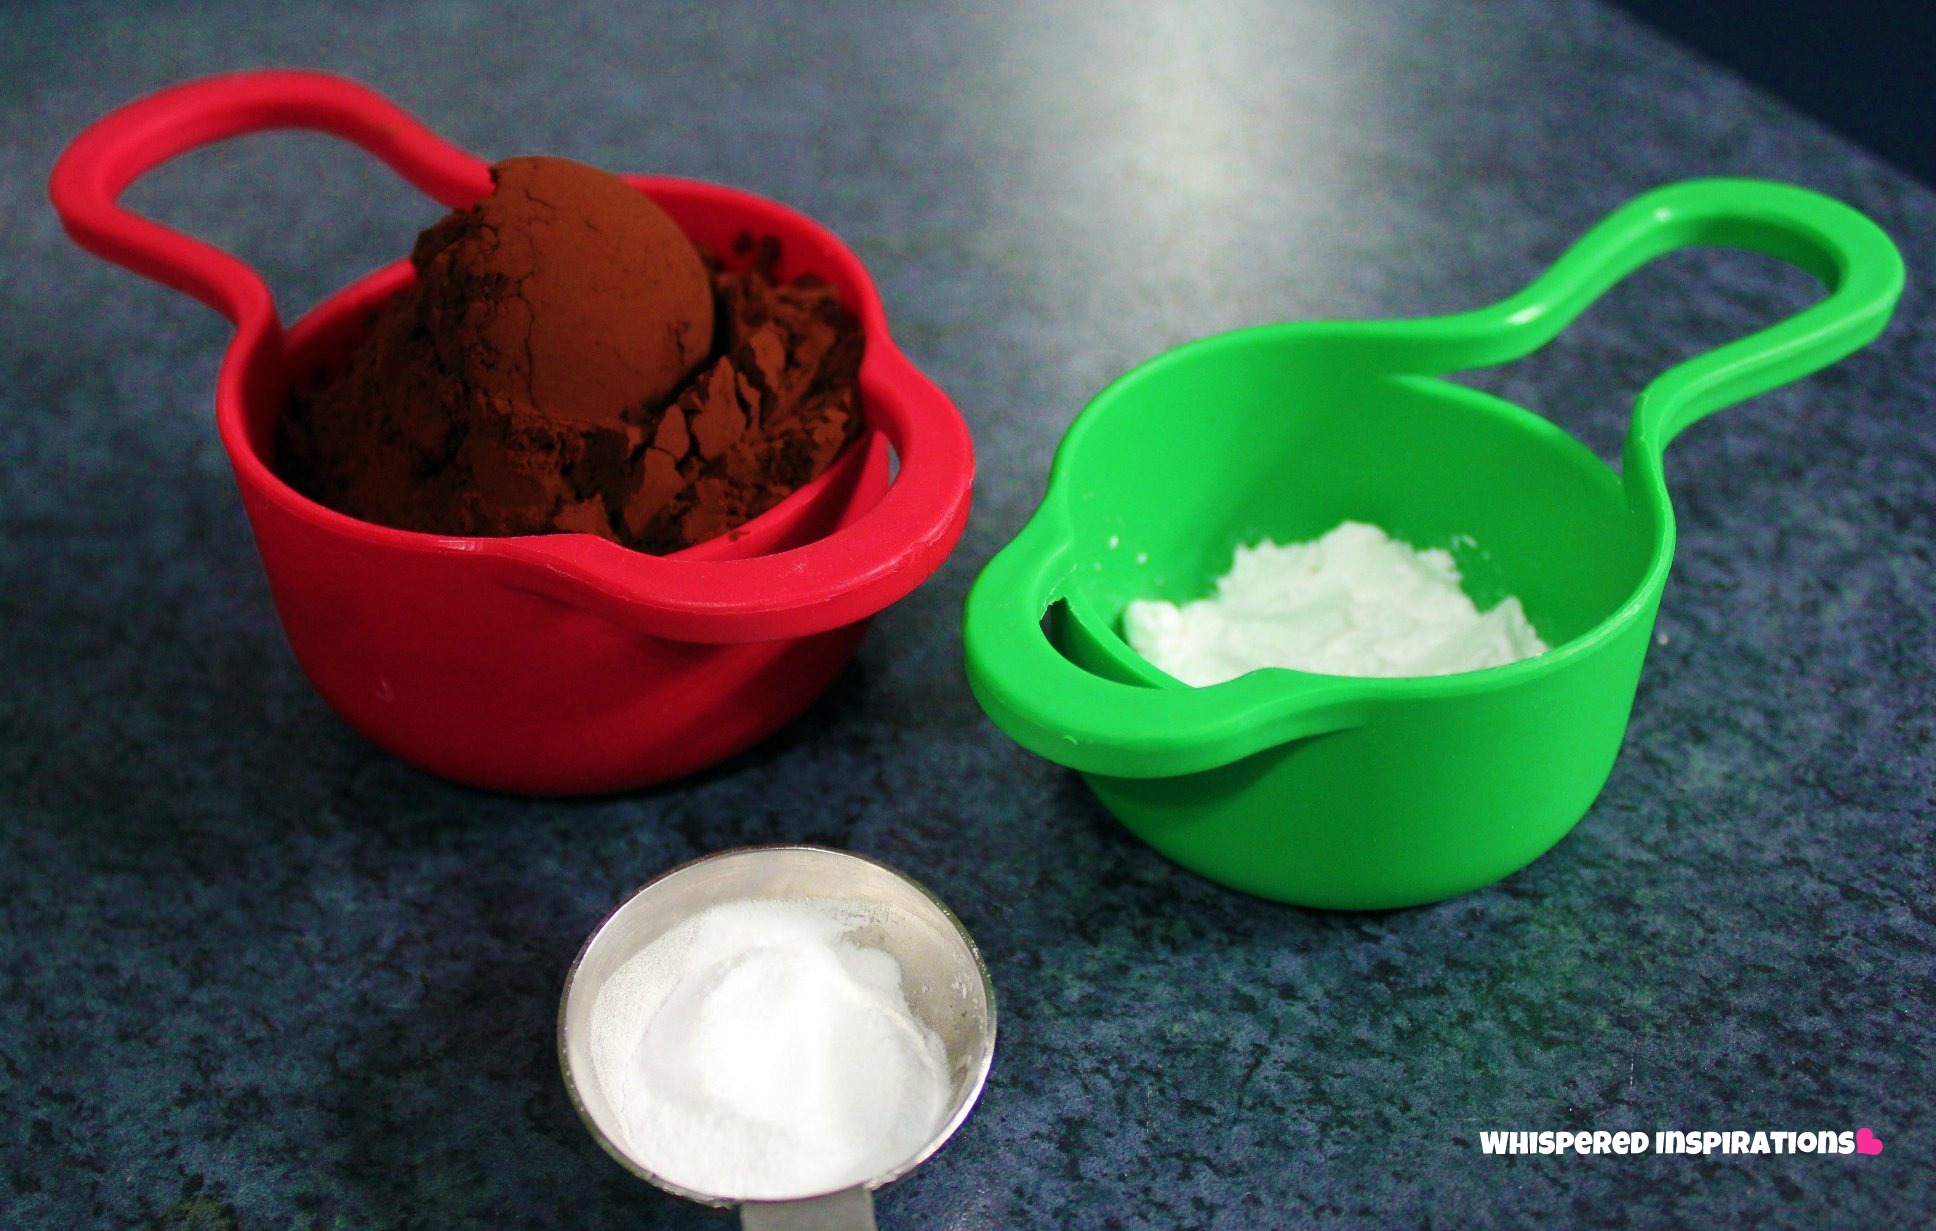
122	146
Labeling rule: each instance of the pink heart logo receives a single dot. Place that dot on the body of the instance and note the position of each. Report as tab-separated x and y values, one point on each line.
1867	1142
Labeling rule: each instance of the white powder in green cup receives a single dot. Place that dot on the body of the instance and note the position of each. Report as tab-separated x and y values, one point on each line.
1354	602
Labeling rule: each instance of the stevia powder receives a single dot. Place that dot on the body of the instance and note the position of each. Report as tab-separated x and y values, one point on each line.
1354	602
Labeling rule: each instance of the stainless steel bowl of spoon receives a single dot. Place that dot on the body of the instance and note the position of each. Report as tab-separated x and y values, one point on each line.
943	977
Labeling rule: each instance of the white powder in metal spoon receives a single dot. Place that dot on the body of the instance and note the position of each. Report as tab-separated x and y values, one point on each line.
1354	602
757	1052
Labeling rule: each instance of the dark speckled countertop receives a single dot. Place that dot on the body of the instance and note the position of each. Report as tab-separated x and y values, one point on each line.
251	963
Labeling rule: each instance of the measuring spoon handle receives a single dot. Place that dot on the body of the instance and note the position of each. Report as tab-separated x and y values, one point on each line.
1848	254
849	1210
1842	249
122	146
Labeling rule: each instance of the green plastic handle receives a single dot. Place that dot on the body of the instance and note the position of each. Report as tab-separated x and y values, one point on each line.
1079	719
1850	255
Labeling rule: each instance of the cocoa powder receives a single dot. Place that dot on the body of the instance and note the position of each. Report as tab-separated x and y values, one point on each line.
568	361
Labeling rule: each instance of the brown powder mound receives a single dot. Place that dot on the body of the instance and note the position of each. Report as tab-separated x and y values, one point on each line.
769	414
557	367
566	291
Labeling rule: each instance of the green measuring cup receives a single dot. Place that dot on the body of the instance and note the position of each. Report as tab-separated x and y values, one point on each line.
1371	793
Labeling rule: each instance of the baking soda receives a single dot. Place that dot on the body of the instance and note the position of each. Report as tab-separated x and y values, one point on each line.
1354	602
758	1052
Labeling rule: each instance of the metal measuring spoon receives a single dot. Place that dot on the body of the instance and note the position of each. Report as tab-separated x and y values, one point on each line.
945	981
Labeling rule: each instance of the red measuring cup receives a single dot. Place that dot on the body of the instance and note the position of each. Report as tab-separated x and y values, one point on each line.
550	664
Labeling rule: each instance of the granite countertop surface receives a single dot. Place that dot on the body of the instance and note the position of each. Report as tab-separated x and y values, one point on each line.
258	974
